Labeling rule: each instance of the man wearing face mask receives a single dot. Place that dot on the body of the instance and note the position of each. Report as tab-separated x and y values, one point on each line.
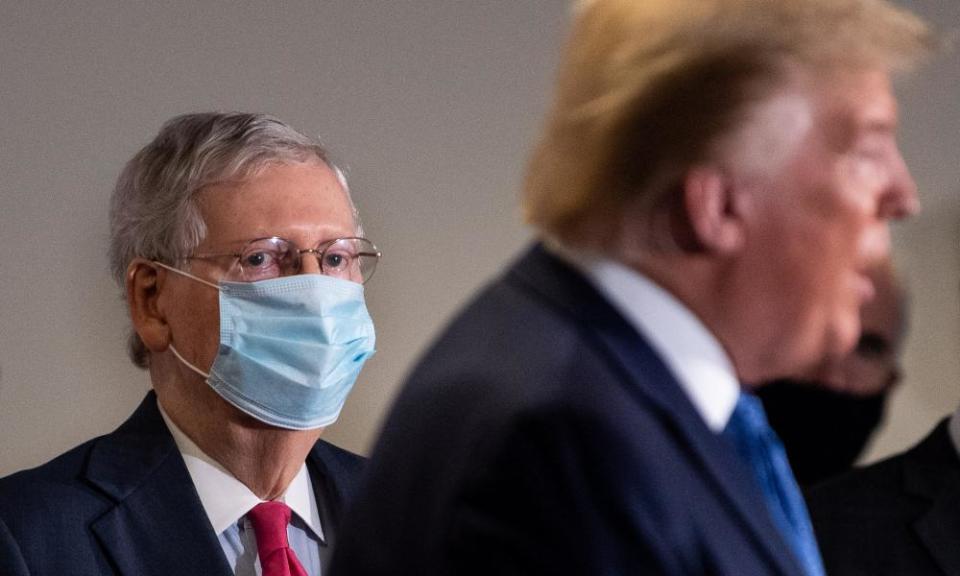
847	396
242	261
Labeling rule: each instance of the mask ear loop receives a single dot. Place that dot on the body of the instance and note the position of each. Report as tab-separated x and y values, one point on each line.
202	281
187	274
188	364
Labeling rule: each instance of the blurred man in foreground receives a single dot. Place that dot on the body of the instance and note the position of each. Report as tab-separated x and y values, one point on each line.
826	421
237	245
715	179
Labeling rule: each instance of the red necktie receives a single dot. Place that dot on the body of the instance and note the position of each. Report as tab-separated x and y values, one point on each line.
270	520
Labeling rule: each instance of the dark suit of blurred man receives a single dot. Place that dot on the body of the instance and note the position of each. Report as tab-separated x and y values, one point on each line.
713	182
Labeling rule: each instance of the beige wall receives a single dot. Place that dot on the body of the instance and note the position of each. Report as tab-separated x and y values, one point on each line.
431	104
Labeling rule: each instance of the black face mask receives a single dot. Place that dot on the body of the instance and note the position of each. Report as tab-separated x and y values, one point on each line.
823	431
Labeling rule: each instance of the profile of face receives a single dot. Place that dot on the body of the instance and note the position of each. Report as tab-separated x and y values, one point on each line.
303	203
819	220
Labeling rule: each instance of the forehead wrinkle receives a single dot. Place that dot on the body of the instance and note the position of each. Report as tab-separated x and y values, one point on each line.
217	202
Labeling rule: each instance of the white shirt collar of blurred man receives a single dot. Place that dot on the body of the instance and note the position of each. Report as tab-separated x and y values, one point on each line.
693	355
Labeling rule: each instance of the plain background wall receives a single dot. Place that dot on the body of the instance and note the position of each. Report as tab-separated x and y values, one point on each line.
431	105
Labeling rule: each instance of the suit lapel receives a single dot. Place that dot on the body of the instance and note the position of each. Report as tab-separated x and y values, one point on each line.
932	471
329	497
158	525
652	380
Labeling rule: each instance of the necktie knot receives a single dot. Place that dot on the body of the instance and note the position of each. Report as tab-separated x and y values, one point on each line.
270	521
750	417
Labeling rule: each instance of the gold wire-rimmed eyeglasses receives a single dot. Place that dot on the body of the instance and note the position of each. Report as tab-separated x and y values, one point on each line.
350	258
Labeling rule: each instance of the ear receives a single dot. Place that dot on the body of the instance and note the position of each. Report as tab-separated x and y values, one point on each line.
144	281
713	210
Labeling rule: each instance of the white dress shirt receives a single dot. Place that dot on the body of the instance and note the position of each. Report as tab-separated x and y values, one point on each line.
690	351
226	502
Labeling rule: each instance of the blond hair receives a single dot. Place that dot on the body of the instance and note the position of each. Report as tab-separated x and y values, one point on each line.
647	87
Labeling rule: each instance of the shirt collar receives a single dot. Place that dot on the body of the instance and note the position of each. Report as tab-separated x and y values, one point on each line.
225	499
690	351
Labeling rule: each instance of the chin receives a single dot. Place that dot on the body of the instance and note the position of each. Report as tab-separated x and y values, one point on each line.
830	343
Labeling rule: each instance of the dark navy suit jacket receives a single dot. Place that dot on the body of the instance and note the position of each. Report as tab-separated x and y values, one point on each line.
542	435
899	516
124	503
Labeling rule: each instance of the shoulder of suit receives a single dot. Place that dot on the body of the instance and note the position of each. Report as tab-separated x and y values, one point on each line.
881	484
338	457
860	483
62	467
43	490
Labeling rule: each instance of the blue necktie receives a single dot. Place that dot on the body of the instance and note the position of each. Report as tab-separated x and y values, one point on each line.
759	446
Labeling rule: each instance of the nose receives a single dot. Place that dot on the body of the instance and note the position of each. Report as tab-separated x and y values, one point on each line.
901	199
309	261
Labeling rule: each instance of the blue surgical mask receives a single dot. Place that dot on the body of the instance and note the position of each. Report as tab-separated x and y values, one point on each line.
290	348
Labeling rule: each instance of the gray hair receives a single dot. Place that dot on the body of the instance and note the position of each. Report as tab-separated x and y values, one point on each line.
154	212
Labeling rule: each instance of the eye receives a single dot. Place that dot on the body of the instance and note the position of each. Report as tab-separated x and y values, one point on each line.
260	259
335	260
257	259
264	259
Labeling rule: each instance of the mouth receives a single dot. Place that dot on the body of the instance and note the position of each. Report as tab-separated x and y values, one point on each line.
866	290
873	253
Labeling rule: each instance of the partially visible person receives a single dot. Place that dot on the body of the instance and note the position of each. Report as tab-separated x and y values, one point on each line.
898	516
238	249
825	421
714	181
